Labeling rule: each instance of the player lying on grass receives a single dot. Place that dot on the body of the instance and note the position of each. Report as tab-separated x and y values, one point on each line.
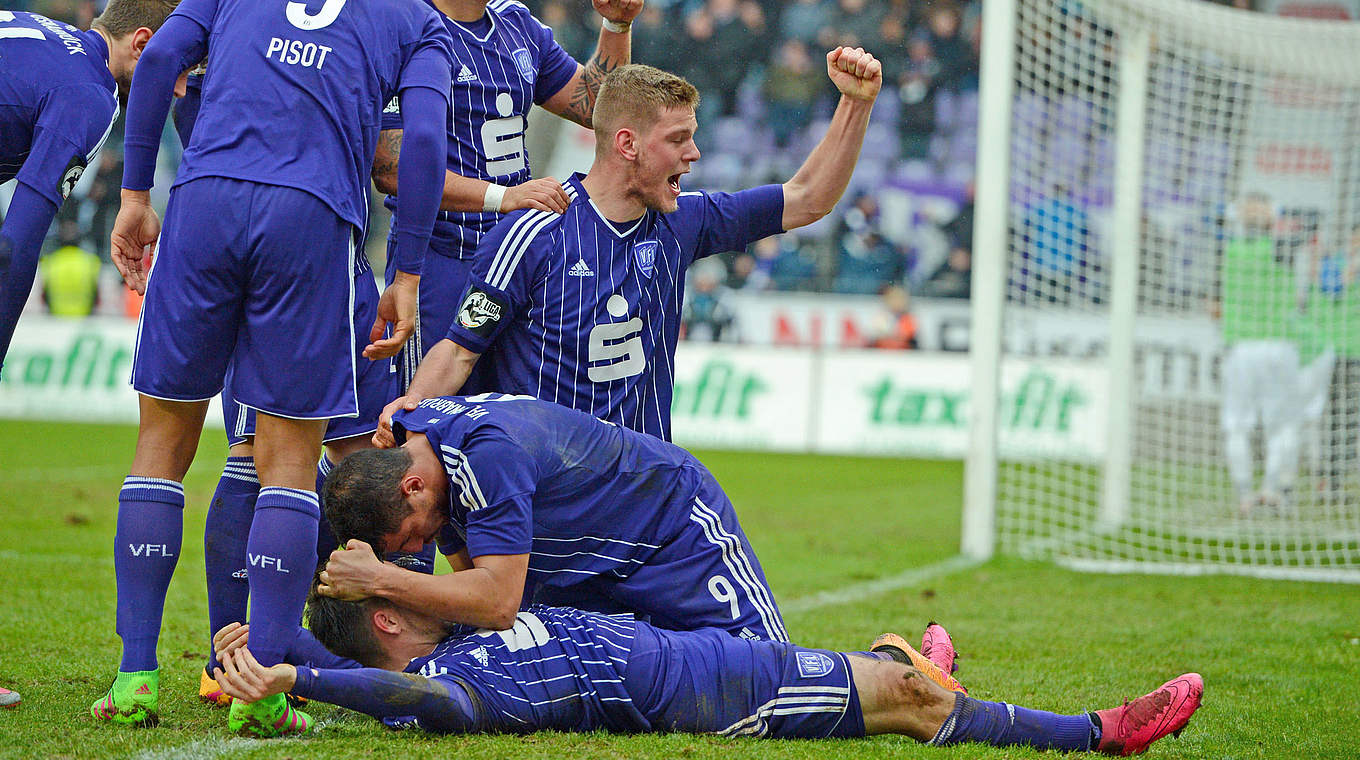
535	502
564	669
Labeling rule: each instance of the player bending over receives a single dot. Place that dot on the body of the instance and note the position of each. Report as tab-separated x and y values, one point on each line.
583	308
567	670
59	91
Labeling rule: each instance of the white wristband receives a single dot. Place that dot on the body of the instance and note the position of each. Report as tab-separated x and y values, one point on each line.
617	27
494	195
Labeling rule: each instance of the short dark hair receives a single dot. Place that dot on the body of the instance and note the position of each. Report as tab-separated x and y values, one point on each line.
345	628
362	495
123	17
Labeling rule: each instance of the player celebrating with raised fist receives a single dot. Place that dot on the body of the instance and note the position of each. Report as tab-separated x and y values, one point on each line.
505	61
583	308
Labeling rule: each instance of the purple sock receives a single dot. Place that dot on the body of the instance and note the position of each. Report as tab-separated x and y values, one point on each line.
281	554
1001	724
224	546
326	542
145	550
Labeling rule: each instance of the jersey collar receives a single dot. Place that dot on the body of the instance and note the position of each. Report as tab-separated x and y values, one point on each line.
621	233
95	40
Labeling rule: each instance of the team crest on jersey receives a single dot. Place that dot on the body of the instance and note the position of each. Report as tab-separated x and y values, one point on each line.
645	255
71	176
525	63
480	312
814	664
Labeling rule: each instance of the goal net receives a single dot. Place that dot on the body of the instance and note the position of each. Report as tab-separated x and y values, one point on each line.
1182	226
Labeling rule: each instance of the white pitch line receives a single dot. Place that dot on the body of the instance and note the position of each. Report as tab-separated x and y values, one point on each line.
858	591
202	749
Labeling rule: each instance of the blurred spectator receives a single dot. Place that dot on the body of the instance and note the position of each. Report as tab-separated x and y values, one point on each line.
568	30
918	84
804	20
105	197
1059	264
893	327
866	259
791	266
70	275
792	85
654	40
855	23
954	278
958	68
960	228
708	315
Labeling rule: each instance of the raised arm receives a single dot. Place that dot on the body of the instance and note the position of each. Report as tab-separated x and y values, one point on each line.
576	100
821	180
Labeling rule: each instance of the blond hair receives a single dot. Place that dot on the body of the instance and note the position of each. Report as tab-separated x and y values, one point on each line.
634	95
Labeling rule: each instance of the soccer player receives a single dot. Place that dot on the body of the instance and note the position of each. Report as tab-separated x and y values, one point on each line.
1263	381
233	502
583	308
254	273
531	500
59	95
566	670
505	61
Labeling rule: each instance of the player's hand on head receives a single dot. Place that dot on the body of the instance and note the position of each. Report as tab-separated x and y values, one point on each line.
384	438
351	573
133	240
620	11
857	74
545	194
397	308
230	637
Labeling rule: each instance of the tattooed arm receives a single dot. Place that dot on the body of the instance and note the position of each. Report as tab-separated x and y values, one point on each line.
576	100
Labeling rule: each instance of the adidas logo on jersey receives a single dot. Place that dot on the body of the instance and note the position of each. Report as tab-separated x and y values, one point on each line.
467	75
581	269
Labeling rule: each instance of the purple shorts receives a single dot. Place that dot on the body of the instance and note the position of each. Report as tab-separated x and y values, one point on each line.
377	380
442	285
257	280
706	681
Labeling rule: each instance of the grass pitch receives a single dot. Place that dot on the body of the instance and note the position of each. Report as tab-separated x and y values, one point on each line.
1280	659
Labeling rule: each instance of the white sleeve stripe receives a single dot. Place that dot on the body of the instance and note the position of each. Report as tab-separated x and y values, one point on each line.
511	261
521	234
97	146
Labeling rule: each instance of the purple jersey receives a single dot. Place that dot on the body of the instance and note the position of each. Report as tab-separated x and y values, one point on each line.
586	312
57	102
567	670
612	519
556	668
294	97
527	476
502	66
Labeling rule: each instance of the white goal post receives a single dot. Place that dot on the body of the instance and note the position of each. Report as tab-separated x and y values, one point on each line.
1168	221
